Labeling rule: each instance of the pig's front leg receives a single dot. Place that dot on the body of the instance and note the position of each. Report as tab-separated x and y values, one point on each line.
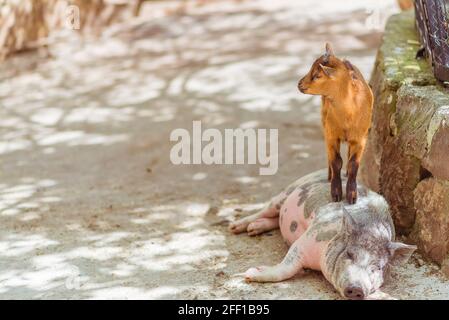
292	264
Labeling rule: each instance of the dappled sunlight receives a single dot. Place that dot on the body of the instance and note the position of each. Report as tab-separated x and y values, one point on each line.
99	263
20	199
106	239
78	138
92	253
19	244
64	95
47	116
250	124
133	293
255	94
247	180
134	90
184	250
95	114
199	176
40	280
11	146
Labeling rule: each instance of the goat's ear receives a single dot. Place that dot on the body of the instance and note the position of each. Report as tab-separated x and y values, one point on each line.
328	71
348	65
329	50
351	69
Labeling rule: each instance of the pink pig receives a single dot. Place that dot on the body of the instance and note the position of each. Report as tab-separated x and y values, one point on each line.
352	245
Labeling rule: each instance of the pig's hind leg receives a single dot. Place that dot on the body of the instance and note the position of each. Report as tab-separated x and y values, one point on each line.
292	264
262	225
265	220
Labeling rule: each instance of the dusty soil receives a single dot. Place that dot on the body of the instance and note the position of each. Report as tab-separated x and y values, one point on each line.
90	204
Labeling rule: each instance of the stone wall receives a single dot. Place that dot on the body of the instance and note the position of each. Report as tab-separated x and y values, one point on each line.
407	155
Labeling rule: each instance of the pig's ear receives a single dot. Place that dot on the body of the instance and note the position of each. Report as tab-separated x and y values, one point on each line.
400	252
328	71
349	224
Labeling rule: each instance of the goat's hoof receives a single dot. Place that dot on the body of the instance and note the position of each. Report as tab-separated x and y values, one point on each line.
336	196
351	197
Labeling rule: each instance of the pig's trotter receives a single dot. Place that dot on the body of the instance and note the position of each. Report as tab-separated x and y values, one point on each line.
262	225
271	211
268	274
238	226
241	225
255	274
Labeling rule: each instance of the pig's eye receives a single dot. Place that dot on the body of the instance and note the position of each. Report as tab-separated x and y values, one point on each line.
375	268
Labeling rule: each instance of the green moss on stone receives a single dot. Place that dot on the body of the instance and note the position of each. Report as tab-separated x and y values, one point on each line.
397	55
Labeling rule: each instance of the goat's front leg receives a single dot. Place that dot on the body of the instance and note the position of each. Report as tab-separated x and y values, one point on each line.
292	264
355	154
336	163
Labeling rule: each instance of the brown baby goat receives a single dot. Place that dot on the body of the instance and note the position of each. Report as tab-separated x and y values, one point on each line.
347	103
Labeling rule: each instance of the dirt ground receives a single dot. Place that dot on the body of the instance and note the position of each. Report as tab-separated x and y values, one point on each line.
90	204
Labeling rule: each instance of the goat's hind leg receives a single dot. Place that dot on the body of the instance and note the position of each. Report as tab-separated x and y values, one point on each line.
356	152
333	151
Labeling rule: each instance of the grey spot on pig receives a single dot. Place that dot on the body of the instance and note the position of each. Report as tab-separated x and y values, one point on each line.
290	190
326	235
302	196
324	224
309	188
283	200
293	226
292	256
306	183
318	198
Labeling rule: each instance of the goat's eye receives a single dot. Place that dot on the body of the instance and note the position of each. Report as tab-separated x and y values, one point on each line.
317	76
350	255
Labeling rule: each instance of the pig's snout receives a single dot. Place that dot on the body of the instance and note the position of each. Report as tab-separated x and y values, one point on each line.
355	293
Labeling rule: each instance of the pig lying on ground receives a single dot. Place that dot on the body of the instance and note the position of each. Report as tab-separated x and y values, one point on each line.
352	245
